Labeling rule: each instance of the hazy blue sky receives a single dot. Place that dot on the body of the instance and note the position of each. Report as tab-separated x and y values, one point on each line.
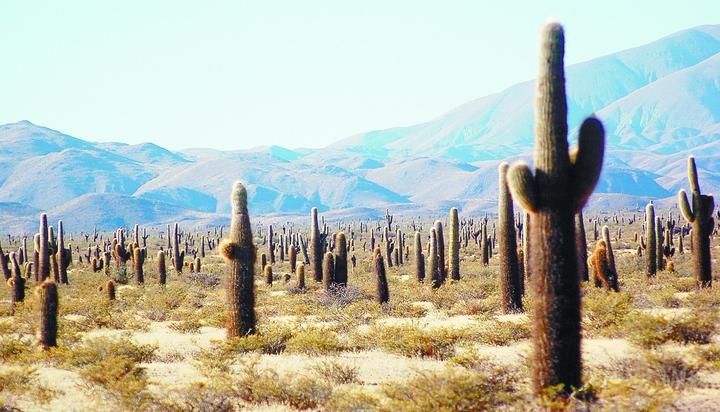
236	74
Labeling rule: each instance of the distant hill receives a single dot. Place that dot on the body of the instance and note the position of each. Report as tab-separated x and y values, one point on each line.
659	103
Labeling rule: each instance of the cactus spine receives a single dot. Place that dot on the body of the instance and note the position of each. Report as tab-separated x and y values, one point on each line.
699	214
510	278
239	253
558	189
47	314
454	245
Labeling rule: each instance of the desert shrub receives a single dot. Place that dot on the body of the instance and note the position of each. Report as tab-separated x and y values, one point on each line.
660	367
634	394
501	333
255	385
454	389
314	341
95	350
410	340
336	372
268	340
342	296
664	296
708	356
471	359
13	348
352	400
21	382
605	312
649	331
204	280
190	325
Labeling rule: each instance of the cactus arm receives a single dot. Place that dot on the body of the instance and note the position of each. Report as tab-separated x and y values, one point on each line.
684	205
586	160
692	175
522	186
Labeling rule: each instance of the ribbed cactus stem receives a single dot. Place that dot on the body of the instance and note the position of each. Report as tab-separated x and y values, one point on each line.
239	252
510	277
162	270
62	254
328	271
699	214
300	272
341	265
419	258
581	246
383	292
316	250
432	265
454	245
47	314
16	282
440	249
650	241
44	249
608	246
559	187
138	260
268	274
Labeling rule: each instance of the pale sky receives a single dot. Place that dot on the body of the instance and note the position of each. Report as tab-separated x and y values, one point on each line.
237	74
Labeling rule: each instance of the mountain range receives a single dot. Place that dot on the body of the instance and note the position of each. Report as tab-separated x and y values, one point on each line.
659	103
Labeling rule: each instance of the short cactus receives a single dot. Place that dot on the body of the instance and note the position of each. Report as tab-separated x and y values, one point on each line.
328	271
239	253
47	295
16	282
268	274
341	265
699	214
138	260
162	270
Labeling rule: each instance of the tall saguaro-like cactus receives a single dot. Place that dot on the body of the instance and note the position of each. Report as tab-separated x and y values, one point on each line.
454	245
560	186
510	278
699	214
316	249
239	253
650	241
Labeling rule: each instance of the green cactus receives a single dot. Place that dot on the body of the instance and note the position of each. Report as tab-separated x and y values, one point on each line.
581	246
510	277
300	273
699	214
419	259
178	256
271	244
162	270
440	249
433	261
198	264
47	295
328	271
43	250
16	282
4	264
316	249
454	245
659	243
341	265
239	252
611	271
649	243
383	293
63	255
559	188
110	289
268	274
138	260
